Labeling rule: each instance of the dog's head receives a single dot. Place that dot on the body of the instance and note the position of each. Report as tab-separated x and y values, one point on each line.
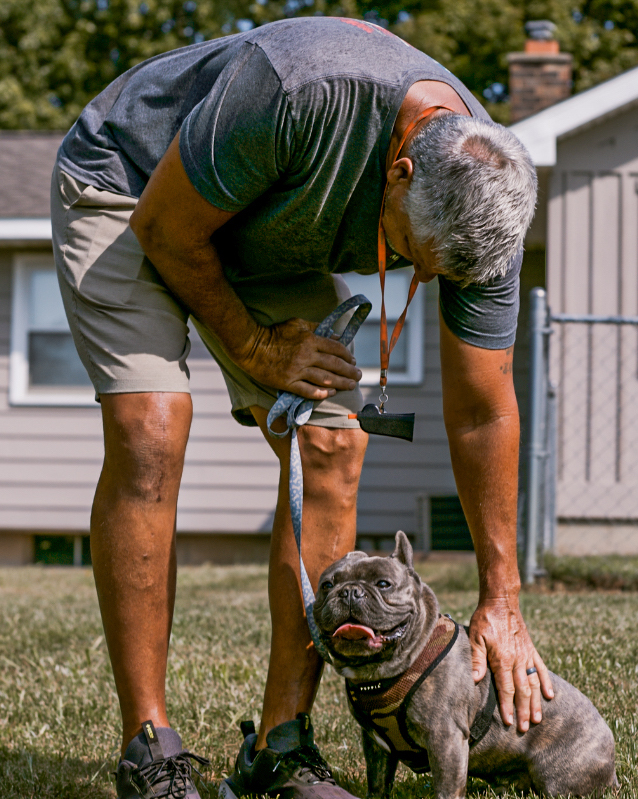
374	612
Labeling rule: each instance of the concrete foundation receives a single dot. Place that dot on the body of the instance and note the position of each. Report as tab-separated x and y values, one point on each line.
16	549
596	539
222	548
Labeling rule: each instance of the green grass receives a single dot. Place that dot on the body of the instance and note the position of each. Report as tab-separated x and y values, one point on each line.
58	710
611	572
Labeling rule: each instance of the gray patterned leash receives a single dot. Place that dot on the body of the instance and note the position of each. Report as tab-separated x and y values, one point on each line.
298	411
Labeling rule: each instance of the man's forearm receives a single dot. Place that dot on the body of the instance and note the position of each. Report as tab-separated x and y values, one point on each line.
197	279
481	417
485	463
175	224
286	356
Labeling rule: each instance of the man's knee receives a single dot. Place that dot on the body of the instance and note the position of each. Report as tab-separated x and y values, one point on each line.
145	439
335	452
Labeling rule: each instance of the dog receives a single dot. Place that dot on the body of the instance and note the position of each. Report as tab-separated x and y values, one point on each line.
409	684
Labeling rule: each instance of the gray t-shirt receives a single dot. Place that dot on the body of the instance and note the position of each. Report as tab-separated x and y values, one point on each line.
289	125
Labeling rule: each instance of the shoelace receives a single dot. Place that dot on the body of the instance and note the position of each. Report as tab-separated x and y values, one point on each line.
177	770
306	759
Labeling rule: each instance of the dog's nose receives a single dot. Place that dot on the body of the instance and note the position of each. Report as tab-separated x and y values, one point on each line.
352	592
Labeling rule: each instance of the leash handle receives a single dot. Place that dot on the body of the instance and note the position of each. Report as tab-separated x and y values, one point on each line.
298	411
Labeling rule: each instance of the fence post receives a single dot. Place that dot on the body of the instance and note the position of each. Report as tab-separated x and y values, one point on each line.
536	413
423	537
549	487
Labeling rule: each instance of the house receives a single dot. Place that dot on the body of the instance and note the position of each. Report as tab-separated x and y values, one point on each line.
50	426
586	152
585	229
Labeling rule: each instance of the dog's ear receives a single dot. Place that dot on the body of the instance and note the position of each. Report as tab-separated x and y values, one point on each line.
403	550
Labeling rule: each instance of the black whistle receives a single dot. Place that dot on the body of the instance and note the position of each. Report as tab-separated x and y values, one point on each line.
397	425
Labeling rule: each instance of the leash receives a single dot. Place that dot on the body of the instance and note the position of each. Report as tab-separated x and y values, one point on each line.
298	411
372	419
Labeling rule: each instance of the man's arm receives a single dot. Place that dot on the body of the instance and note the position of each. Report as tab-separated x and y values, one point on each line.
174	225
482	423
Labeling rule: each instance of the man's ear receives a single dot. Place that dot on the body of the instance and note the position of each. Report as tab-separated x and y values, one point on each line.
400	170
403	550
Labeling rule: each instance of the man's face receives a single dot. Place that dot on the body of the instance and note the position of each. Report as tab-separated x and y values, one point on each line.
399	236
396	223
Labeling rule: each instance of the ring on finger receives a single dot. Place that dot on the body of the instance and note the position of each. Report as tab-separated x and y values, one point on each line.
531	670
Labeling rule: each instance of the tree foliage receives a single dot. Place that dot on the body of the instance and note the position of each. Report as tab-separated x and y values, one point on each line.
472	39
55	55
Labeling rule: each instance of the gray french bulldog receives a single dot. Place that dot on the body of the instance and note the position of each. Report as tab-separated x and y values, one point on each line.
375	616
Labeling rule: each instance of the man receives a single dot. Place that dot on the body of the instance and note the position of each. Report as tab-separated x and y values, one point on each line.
260	162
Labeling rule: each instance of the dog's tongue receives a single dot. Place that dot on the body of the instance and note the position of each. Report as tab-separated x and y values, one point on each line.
355	632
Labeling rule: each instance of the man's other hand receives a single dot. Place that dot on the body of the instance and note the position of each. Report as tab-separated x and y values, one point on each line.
498	634
290	357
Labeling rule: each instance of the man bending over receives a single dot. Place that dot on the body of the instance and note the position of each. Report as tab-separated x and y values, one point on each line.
234	181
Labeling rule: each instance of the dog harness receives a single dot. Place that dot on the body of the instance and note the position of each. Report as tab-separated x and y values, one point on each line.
381	707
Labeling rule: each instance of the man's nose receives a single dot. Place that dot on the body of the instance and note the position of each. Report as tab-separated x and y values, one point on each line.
352	592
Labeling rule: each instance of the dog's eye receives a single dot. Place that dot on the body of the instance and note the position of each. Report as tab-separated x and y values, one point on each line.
326	585
383	584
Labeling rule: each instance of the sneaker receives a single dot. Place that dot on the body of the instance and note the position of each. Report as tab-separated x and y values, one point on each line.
155	765
290	766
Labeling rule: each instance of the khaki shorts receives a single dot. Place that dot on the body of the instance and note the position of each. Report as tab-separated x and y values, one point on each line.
132	334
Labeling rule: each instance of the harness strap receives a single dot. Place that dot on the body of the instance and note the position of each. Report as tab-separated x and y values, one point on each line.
381	693
483	720
381	707
298	411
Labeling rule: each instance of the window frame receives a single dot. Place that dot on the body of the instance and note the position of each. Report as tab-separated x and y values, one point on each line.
415	332
20	393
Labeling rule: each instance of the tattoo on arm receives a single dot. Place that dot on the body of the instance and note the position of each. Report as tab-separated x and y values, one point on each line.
507	366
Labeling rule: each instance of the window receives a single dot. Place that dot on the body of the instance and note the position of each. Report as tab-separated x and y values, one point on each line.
406	360
45	368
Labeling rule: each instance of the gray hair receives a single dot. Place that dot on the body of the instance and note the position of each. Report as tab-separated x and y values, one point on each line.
472	195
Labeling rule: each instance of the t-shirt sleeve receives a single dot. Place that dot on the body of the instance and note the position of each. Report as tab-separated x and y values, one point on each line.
484	316
237	141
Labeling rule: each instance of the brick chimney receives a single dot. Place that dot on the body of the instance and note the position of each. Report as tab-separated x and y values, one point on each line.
542	75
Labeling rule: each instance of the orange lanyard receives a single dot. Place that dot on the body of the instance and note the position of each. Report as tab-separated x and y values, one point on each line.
386	349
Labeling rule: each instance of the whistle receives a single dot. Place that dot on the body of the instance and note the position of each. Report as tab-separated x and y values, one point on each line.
397	425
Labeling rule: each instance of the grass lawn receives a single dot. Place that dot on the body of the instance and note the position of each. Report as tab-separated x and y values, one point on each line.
59	715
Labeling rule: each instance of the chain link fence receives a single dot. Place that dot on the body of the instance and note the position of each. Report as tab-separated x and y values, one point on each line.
582	447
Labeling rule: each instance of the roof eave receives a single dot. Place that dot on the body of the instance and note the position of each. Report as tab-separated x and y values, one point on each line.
25	232
540	132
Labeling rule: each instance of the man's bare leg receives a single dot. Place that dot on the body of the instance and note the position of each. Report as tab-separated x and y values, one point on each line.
133	544
332	461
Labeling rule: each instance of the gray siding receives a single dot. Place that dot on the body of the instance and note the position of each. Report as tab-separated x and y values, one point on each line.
50	458
395	472
593	269
230	474
593	220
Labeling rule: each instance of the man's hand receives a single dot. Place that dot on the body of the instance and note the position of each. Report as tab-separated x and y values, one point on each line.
498	634
290	357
